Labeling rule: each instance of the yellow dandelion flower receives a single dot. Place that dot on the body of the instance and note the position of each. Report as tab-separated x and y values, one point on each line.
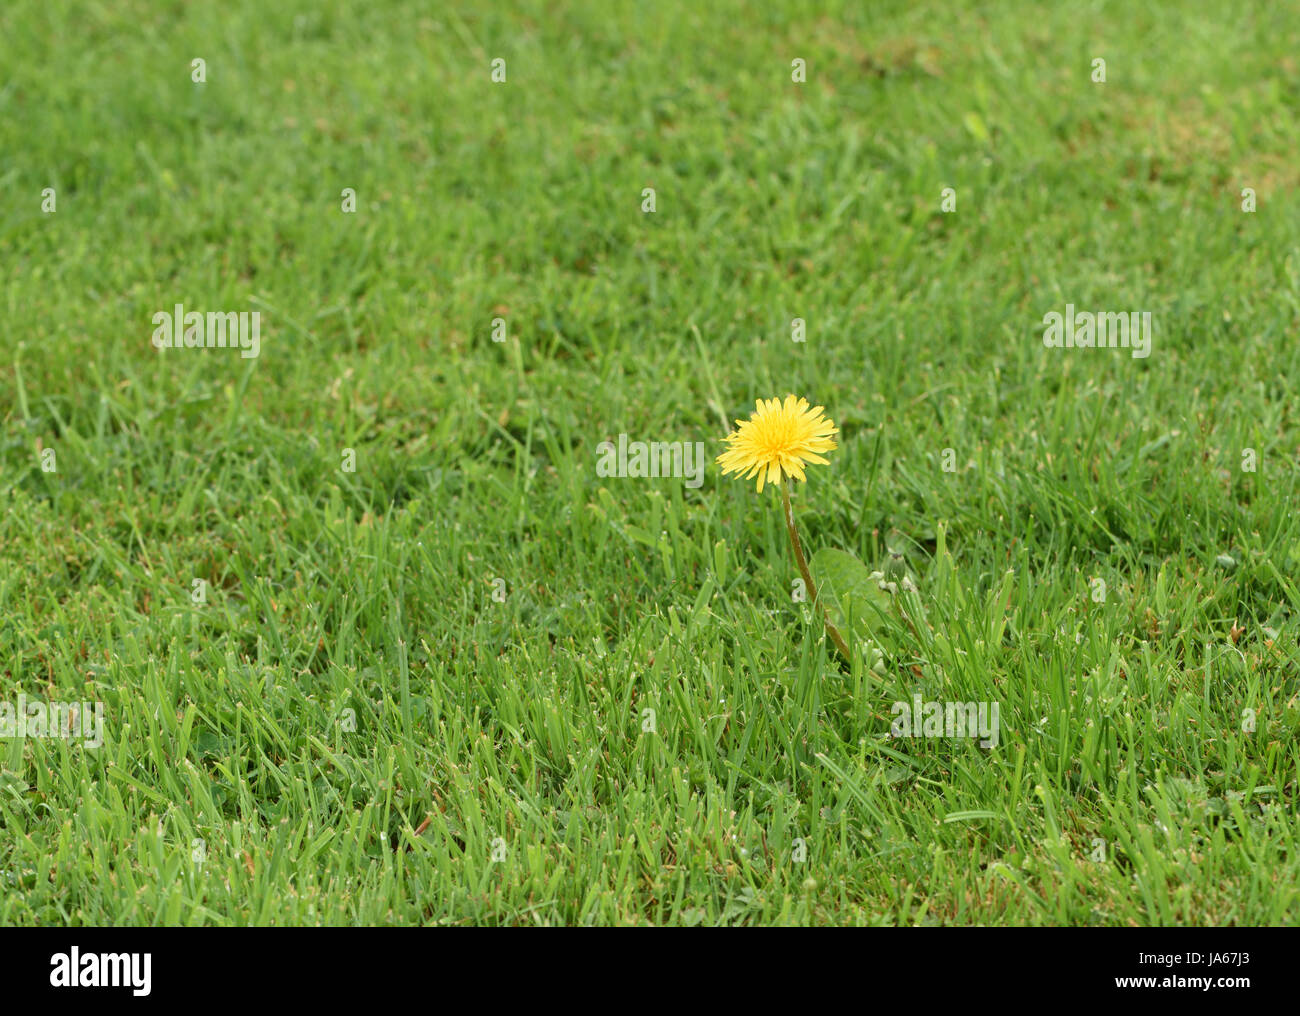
778	439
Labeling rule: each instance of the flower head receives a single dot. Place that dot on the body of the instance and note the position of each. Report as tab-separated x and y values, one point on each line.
778	438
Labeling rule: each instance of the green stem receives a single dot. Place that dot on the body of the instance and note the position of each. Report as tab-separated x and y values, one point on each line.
797	547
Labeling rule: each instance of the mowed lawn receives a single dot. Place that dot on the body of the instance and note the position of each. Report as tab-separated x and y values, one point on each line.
375	642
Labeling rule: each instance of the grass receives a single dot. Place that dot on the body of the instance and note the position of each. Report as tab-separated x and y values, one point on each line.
352	724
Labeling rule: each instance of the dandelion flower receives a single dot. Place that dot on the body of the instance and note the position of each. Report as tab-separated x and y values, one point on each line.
779	439
773	444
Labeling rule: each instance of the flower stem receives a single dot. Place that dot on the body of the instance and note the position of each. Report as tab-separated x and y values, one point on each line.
797	547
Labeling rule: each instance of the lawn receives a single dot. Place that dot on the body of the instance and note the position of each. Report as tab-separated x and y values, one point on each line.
375	637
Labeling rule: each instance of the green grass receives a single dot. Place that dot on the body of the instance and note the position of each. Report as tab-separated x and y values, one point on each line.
227	722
